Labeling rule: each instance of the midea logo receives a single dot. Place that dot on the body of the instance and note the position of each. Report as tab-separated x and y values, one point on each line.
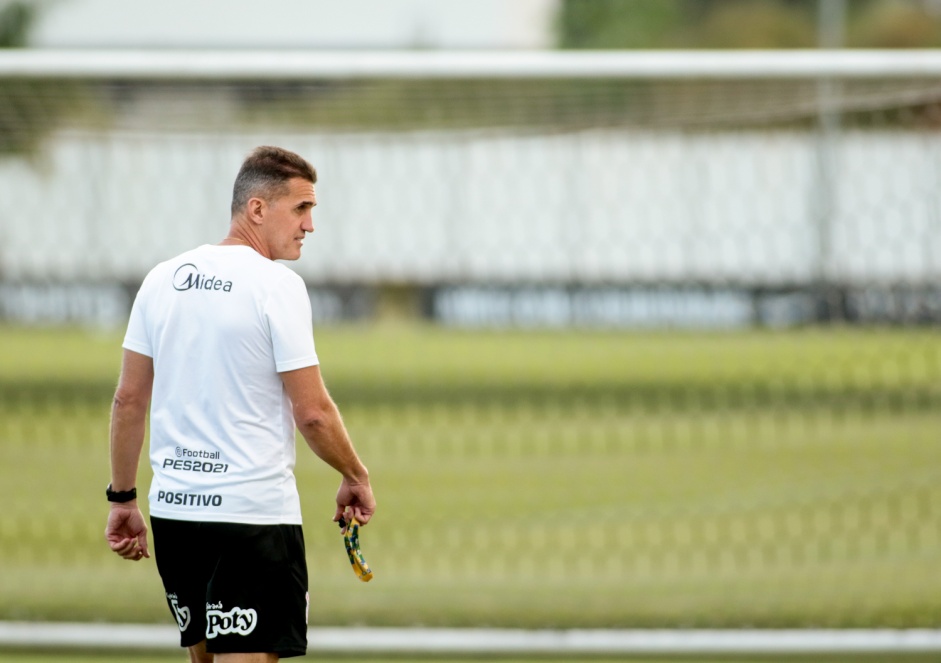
188	277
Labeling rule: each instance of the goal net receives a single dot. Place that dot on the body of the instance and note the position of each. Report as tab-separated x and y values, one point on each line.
734	423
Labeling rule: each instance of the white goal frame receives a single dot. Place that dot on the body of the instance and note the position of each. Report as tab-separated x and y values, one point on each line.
506	642
293	64
286	65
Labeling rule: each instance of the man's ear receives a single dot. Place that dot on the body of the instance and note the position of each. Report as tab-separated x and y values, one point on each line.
255	209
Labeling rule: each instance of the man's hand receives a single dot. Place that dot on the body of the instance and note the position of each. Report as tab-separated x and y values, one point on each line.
126	532
355	500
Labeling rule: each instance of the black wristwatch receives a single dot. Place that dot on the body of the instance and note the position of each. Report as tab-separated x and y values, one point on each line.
120	496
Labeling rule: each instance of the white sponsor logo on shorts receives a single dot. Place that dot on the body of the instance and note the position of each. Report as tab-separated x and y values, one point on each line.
236	620
182	613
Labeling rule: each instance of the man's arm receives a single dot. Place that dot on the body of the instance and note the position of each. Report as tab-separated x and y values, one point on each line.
319	421
126	532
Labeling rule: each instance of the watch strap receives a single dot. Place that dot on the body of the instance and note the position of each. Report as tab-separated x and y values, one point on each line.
120	496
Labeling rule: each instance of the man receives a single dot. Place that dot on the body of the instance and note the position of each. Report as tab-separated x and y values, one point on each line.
220	344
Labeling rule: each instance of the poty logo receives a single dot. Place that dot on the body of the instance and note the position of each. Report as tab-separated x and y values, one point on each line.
188	277
236	620
181	613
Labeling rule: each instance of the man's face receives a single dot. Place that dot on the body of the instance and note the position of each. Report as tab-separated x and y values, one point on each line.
288	220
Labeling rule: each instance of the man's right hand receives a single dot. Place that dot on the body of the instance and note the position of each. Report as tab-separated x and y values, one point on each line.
126	532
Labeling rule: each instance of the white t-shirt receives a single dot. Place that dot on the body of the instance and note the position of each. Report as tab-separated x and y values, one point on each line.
220	323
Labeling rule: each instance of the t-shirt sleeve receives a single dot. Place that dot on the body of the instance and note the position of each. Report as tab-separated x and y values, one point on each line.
137	339
289	319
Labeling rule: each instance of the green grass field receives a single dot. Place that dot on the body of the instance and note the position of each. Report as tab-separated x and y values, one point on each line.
542	479
13	656
82	657
78	657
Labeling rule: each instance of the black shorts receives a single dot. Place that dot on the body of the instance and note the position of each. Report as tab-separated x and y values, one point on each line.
241	588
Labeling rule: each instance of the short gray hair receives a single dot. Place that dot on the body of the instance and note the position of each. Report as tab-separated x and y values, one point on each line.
265	174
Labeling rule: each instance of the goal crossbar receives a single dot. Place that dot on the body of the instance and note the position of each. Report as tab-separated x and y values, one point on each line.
297	65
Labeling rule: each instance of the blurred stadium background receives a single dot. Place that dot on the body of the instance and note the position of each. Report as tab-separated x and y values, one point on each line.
627	341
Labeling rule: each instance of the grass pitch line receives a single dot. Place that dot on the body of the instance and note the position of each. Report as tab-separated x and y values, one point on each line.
502	641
